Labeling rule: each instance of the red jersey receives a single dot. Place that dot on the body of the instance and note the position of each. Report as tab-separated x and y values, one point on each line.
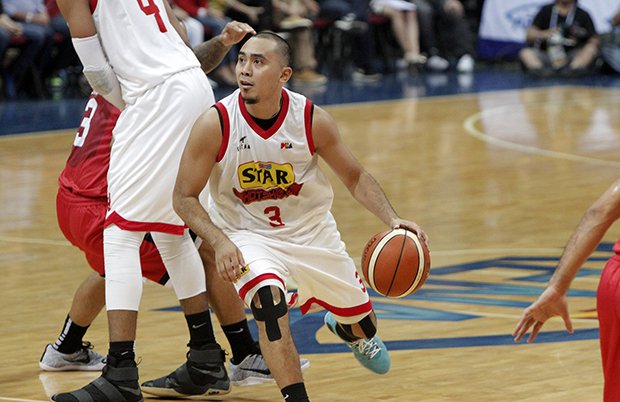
85	173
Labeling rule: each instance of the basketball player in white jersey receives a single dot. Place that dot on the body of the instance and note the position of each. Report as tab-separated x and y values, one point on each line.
269	216
134	55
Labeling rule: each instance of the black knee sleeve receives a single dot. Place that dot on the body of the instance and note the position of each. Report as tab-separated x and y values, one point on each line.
368	328
270	312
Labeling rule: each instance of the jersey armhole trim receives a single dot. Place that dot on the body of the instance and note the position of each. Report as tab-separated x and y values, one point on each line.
93	5
308	113
225	126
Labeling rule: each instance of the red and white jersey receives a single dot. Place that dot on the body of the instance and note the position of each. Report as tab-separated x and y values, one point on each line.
268	181
85	173
141	44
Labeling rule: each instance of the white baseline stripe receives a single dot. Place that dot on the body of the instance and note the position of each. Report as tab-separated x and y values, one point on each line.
470	127
20	400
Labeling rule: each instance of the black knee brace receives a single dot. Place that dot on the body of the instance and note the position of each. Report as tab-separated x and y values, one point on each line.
368	328
270	312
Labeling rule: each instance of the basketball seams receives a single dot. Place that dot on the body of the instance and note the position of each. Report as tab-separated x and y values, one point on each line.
373	259
400	257
379	251
421	264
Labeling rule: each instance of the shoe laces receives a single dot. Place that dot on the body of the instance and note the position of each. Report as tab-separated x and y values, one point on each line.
367	347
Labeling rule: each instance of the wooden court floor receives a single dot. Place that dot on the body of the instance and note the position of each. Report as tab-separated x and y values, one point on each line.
498	181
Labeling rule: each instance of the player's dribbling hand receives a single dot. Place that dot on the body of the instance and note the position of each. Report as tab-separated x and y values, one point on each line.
234	32
411	226
549	304
228	260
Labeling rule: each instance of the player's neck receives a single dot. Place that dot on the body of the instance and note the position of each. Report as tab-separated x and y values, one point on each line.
266	109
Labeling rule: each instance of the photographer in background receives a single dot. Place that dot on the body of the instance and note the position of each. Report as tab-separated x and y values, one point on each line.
561	41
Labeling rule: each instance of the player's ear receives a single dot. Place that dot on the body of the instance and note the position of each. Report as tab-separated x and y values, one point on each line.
285	74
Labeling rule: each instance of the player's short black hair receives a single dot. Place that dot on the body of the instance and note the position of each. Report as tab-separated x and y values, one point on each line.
282	45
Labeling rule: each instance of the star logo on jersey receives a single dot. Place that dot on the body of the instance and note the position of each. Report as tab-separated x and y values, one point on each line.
261	181
242	144
286	145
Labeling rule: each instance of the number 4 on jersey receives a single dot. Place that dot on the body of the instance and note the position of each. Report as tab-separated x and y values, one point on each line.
151	9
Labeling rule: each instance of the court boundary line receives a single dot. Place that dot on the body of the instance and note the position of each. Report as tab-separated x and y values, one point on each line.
470	128
2	398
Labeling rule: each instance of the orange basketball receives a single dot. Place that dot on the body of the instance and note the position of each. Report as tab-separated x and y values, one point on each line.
395	262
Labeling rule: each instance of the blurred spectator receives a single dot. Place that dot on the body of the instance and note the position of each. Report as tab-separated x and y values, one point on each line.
561	41
251	14
8	29
57	21
61	54
455	33
445	34
404	21
236	10
214	22
610	46
293	17
351	20
428	37
36	31
194	28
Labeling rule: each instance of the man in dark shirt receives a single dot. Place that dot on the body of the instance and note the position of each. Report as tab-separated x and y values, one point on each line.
561	40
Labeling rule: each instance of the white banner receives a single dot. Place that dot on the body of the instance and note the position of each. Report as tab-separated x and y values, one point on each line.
508	20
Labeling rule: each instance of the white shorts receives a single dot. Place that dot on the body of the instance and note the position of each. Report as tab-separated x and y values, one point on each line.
149	138
325	275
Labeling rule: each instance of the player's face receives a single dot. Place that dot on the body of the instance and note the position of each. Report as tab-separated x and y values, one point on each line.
260	71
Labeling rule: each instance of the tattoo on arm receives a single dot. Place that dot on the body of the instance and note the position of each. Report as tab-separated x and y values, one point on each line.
211	53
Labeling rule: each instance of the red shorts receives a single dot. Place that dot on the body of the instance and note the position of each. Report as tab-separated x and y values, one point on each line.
608	307
81	221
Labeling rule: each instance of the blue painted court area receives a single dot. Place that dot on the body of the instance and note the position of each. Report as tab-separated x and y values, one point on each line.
439	288
32	116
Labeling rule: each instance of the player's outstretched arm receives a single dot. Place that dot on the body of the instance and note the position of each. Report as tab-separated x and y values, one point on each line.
212	52
552	302
197	162
364	188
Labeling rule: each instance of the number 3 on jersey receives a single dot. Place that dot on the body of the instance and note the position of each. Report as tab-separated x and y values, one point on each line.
273	213
151	9
82	132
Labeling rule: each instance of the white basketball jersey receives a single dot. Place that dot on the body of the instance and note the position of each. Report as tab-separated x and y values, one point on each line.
269	181
141	44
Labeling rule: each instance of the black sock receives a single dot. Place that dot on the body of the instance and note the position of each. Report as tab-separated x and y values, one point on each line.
295	393
240	340
70	339
122	351
200	329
